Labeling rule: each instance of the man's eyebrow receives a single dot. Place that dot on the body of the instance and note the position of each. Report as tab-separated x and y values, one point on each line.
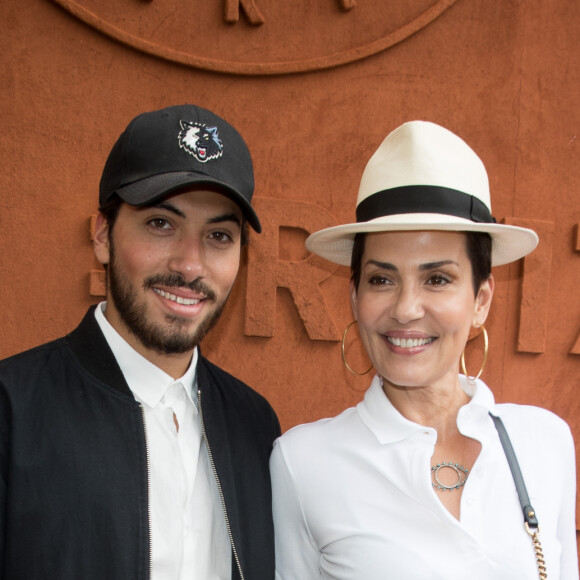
226	217
166	206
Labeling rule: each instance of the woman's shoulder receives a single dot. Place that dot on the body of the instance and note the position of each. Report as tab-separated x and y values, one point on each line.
323	431
533	421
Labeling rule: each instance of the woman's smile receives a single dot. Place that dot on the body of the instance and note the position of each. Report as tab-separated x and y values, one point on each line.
408	343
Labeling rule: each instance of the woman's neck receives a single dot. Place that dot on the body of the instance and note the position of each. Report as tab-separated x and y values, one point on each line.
433	406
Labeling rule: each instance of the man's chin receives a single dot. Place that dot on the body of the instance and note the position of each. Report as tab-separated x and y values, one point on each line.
180	335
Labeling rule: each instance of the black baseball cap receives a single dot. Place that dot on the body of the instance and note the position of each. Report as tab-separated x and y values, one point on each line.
163	151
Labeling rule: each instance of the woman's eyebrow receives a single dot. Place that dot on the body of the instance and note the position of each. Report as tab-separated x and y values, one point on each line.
422	267
383	265
435	265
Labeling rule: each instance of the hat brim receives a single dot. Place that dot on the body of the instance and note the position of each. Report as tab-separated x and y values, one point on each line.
150	189
509	243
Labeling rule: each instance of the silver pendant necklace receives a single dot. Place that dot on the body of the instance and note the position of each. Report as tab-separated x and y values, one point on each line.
461	472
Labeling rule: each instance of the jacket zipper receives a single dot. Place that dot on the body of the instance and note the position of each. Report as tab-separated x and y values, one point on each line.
217	479
148	493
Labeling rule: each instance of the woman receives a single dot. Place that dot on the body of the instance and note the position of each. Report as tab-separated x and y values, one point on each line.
413	483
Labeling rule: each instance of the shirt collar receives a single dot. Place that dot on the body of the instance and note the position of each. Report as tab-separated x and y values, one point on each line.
389	426
146	380
473	418
480	393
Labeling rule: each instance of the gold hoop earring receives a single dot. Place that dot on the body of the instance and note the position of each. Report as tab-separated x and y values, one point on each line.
344	357
485	352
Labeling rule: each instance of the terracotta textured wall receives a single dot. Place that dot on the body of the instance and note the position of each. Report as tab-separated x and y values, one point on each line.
314	86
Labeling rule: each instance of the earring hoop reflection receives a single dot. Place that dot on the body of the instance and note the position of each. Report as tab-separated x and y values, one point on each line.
344	356
485	352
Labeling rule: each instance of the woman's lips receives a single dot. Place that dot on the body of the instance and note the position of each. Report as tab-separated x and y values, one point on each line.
408	342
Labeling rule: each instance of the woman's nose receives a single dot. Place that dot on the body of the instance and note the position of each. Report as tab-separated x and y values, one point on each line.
407	306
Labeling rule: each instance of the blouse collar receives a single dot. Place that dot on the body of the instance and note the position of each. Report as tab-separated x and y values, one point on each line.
389	426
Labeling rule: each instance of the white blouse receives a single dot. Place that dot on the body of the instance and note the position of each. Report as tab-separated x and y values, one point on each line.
353	497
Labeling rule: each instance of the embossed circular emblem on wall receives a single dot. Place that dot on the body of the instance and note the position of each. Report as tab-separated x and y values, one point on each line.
258	37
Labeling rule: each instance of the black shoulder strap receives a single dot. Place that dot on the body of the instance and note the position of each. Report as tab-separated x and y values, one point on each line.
528	510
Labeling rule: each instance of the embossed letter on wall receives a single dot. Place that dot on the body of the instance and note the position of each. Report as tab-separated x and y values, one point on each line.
576	348
535	287
267	272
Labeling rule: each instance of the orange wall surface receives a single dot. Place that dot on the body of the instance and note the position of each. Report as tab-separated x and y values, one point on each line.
314	86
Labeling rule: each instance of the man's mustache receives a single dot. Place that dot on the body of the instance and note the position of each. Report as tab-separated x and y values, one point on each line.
177	281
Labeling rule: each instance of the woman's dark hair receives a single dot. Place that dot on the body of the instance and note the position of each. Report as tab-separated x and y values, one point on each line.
478	246
479	254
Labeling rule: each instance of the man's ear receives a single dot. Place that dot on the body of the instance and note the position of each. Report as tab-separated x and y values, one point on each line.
101	243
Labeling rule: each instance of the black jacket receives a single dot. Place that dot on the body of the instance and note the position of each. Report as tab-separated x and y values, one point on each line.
73	464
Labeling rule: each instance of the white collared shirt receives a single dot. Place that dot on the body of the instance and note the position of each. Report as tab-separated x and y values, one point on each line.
353	497
189	537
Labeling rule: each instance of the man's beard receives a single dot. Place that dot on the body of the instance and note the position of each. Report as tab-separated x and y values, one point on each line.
173	337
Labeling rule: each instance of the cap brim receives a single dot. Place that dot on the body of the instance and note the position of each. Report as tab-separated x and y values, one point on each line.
148	190
509	243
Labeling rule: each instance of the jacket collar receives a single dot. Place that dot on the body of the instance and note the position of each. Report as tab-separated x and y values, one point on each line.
93	352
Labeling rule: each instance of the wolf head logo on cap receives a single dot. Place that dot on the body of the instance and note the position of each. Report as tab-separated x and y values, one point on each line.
200	141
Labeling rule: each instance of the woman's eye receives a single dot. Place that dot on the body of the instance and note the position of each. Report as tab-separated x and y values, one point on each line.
438	280
379	281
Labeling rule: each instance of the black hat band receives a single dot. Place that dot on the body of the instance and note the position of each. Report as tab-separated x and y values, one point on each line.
423	199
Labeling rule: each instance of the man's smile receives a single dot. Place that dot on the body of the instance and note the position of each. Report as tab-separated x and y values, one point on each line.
178	299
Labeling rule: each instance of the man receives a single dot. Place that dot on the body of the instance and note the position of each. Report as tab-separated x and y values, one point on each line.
124	454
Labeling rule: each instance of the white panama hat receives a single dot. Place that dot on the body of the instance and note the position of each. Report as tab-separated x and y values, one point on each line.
424	177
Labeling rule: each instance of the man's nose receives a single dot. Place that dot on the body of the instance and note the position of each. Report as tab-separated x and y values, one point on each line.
188	258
